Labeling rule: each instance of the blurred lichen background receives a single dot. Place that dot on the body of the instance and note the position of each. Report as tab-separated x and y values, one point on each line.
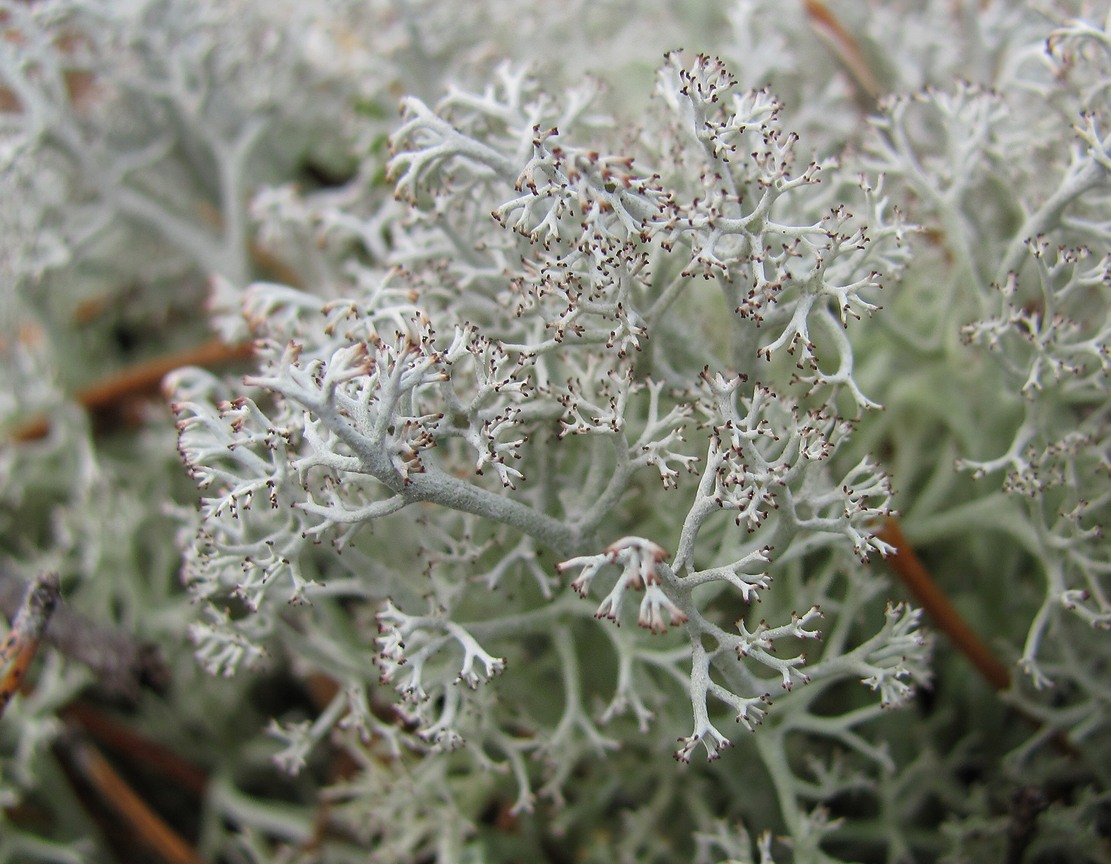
441	415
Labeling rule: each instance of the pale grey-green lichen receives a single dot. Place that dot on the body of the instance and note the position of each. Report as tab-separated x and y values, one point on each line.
591	336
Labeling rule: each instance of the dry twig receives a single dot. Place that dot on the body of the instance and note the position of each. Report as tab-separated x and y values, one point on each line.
28	626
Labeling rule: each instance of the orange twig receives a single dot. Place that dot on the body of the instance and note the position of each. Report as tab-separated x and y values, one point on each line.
107	395
146	377
946	618
23	639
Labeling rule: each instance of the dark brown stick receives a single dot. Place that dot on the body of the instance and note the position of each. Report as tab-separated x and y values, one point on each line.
22	642
121	664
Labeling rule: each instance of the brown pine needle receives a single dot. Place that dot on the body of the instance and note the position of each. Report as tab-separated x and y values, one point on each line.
946	618
119	740
913	573
112	791
845	48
